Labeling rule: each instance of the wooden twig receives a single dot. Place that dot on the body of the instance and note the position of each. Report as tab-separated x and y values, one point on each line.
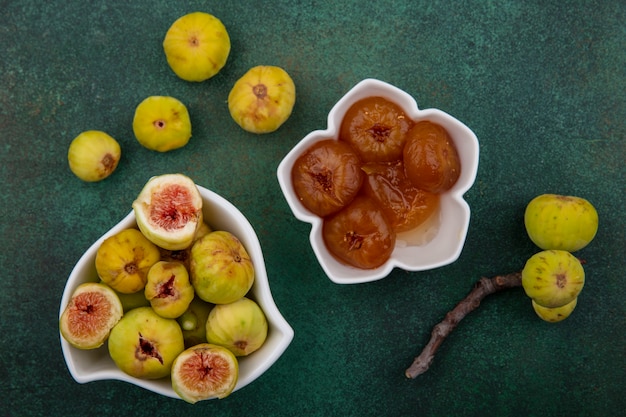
482	288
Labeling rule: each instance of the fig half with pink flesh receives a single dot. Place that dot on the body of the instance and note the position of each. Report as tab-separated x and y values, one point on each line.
91	313
203	372
169	211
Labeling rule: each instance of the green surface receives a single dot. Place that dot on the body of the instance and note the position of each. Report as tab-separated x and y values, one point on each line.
542	84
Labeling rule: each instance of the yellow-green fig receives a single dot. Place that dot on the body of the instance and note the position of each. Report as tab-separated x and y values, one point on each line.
220	267
193	322
561	222
93	155
554	315
168	289
123	260
240	326
144	345
553	278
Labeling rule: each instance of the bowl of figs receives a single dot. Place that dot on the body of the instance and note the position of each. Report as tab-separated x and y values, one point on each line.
175	298
383	185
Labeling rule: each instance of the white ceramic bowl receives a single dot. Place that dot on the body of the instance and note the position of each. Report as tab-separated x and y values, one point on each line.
448	242
94	365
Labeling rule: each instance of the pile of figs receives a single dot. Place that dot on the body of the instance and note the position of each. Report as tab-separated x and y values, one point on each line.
172	298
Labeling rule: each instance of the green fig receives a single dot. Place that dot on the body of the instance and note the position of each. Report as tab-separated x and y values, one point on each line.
144	344
561	222
240	326
553	278
221	269
193	322
554	315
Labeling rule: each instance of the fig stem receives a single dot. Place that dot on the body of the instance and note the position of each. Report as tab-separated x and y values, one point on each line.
481	289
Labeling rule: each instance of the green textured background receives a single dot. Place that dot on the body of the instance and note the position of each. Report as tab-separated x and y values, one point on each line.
541	83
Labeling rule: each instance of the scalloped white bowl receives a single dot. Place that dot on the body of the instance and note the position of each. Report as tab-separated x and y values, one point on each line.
446	246
96	365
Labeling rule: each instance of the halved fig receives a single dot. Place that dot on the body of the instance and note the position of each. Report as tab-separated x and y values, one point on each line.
169	211
90	315
203	372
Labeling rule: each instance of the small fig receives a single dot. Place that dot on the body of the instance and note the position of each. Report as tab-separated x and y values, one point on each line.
561	222
169	211
203	372
240	326
196	46
123	260
221	269
193	322
554	315
168	289
162	123
144	345
262	99
553	278
93	155
90	315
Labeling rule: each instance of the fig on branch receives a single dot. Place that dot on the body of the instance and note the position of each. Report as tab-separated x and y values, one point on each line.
554	315
123	260
90	315
561	222
221	269
93	155
169	211
144	344
168	289
240	326
553	278
262	99
203	372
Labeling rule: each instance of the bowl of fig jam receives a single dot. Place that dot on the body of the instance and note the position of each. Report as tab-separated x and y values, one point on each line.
383	185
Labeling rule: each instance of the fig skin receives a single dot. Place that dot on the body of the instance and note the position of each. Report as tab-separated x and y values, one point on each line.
553	278
554	315
376	128
93	310
168	289
359	235
168	211
240	326
162	123
193	322
123	260
262	99
431	159
203	372
560	222
93	155
144	345
327	176
220	268
196	46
